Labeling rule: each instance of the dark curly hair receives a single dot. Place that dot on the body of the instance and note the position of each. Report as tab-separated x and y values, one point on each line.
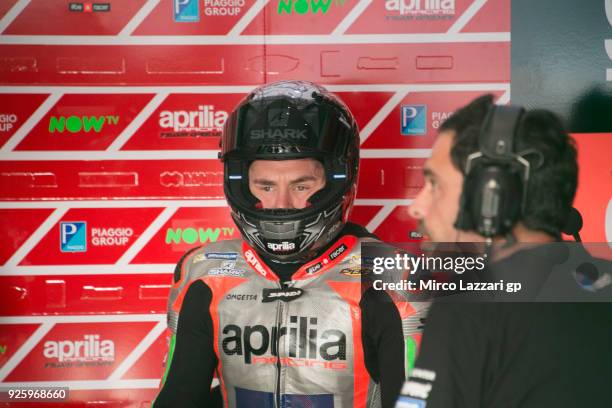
554	175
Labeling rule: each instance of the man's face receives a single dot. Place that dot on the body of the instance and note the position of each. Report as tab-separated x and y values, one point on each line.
437	204
285	183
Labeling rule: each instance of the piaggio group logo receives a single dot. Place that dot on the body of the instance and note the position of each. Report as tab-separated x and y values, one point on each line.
76	124
307	6
111	236
73	236
438	118
206	121
7	122
186	11
223	7
413	120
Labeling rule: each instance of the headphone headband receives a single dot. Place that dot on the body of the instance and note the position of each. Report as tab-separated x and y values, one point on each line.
496	139
495	184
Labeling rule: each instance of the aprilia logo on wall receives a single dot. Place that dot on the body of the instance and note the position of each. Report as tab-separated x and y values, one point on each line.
304	342
90	349
421	7
206	121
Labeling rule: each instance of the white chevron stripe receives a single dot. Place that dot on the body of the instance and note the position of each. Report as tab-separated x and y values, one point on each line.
351	17
382	114
162	155
247	18
226	89
68	270
504	98
54	319
75	155
380	216
146	236
25	349
32	121
34	239
138	18
68	204
138	351
12	14
467	15
426	38
137	122
89	385
154	203
394	153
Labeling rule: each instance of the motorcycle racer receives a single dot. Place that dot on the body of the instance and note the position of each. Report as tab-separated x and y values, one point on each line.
279	315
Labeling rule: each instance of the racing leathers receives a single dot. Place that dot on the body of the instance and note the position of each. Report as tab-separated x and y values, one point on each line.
308	339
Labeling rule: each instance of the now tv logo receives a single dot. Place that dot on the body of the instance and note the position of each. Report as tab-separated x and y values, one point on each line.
75	124
306	6
192	235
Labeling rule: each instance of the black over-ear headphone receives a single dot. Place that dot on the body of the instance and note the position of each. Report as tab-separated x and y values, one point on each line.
496	177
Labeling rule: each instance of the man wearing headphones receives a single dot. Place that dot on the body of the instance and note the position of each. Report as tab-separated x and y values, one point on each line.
279	315
503	177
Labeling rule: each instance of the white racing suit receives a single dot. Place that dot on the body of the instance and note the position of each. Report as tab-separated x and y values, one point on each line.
298	344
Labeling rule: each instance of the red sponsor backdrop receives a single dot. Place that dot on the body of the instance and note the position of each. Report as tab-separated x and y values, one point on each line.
109	130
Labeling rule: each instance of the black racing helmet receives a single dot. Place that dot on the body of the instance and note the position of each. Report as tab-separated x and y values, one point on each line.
282	121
